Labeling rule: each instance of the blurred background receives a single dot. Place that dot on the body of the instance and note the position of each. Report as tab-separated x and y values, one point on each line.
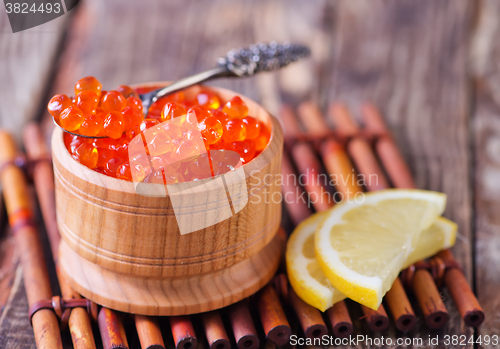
432	67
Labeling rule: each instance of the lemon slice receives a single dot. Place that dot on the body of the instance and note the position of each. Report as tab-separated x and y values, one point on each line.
362	246
439	236
309	281
304	273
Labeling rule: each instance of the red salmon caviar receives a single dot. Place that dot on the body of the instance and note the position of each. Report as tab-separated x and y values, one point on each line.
131	117
208	100
57	104
246	149
234	131
112	165
201	114
172	110
87	154
134	102
236	108
212	129
88	83
87	101
127	91
263	139
172	151
147	123
91	125
114	125
156	108
71	118
124	172
113	100
253	127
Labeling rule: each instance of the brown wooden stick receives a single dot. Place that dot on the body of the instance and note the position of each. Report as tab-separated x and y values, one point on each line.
280	282
467	303
214	330
293	195
183	332
243	328
364	158
400	307
291	127
340	320
36	279
435	312
273	317
309	317
433	308
149	332
359	149
43	178
377	319
340	169
112	330
310	171
387	150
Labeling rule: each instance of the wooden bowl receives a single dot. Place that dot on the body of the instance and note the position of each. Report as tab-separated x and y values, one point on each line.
124	250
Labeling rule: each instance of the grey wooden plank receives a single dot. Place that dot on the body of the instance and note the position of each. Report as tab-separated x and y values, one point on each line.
15	328
25	65
484	55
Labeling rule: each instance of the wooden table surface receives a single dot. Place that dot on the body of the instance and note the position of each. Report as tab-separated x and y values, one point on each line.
431	66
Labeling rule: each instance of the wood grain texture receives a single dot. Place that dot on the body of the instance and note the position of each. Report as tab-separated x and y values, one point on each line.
171	296
25	66
15	328
486	151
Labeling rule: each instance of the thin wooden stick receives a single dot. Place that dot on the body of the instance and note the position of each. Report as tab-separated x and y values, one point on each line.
468	306
183	332
214	330
43	178
359	149
341	170
340	320
309	317
310	169
293	195
149	332
365	160
430	301
400	307
273	317
387	150
243	328
112	330
435	312
36	279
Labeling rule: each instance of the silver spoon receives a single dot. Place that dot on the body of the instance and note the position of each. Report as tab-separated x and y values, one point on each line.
237	63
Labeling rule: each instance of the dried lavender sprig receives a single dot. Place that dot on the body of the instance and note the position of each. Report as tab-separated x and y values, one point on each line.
262	57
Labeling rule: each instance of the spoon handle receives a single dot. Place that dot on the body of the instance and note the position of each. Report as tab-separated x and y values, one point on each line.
153	96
